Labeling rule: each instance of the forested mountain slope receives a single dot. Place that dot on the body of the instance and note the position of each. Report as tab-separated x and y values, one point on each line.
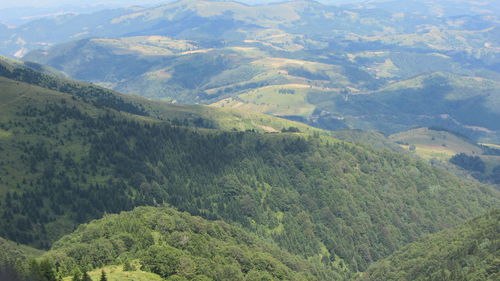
178	246
469	252
71	155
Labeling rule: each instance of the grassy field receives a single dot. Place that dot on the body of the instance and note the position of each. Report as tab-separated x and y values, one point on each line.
431	144
440	146
116	273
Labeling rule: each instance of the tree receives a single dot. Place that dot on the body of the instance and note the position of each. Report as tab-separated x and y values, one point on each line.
86	277
162	260
47	272
471	163
77	276
103	276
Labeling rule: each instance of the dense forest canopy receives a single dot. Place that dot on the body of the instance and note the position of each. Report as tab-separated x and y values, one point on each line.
70	159
469	252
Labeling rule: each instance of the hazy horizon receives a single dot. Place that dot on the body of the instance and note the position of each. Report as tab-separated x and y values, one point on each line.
22	11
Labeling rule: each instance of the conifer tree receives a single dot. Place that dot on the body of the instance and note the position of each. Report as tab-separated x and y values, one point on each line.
103	276
86	277
77	276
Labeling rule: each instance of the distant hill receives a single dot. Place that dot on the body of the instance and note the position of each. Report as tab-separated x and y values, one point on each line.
468	252
454	152
460	103
68	147
366	66
435	143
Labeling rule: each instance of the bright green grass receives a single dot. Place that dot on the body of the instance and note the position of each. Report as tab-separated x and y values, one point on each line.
116	273
274	102
435	144
5	134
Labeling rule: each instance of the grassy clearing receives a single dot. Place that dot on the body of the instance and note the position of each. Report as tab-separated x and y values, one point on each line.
270	100
431	144
5	134
116	273
492	145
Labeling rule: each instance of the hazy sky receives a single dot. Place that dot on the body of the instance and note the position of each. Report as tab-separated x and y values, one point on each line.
59	3
56	3
18	12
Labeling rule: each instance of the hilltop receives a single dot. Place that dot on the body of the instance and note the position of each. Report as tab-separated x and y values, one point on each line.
175	245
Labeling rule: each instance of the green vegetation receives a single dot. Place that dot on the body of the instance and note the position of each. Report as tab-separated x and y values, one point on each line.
117	187
118	273
178	246
471	163
442	147
19	263
314	196
469	252
435	143
331	67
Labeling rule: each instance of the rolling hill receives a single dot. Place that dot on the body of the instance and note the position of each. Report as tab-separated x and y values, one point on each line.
453	152
72	152
468	252
460	103
362	66
178	246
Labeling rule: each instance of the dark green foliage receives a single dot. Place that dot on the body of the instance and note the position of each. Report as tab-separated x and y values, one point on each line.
77	276
103	276
469	253
323	199
162	260
200	69
286	91
290	130
97	95
27	269
471	163
495	175
178	246
128	266
86	277
302	72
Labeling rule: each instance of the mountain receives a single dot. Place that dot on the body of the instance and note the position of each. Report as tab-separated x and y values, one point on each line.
333	67
468	252
446	8
72	152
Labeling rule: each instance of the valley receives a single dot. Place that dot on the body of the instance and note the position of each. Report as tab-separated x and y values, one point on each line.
218	140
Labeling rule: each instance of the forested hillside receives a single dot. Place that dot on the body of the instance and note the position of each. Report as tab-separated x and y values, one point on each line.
469	252
178	246
70	158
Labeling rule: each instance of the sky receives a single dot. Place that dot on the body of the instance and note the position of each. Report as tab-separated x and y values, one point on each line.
58	3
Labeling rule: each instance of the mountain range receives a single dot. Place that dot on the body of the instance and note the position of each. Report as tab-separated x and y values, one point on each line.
362	66
218	140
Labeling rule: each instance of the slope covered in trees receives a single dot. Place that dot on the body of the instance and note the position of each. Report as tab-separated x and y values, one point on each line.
469	252
68	158
178	246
